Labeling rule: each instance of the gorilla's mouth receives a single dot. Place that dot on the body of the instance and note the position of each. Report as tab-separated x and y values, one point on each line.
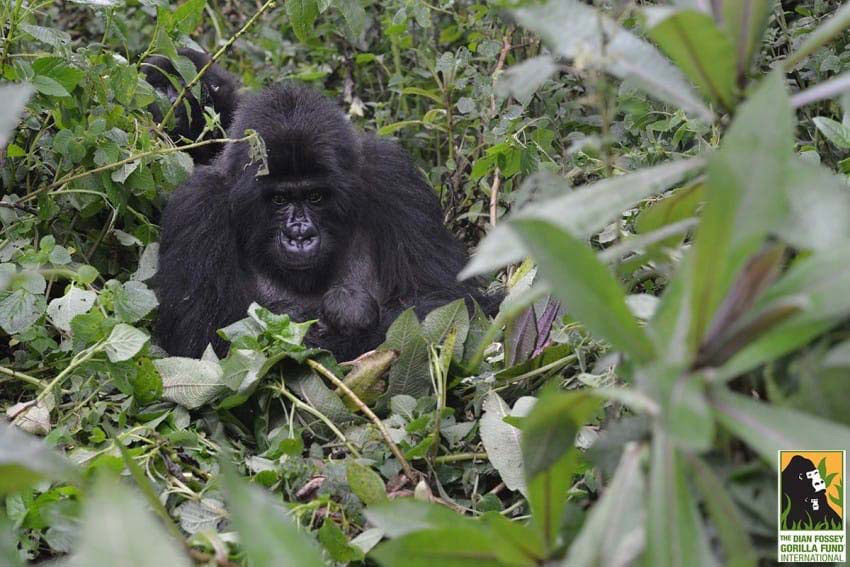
299	252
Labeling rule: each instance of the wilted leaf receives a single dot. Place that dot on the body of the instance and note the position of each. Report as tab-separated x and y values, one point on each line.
502	440
76	302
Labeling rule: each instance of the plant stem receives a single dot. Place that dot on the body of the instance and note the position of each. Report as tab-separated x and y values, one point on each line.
22	377
316	413
408	470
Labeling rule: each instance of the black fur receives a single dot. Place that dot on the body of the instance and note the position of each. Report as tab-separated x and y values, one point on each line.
218	89
382	244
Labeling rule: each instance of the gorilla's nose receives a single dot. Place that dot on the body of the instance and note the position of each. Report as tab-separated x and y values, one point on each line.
300	237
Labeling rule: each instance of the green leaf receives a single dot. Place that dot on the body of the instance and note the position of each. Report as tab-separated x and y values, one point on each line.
613	533
835	132
767	428
337	545
188	15
550	429
302	15
441	321
675	534
365	483
730	524
410	374
745	21
48	86
124	342
745	197
582	212
26	460
355	17
132	300
689	421
702	51
819	216
521	81
403	516
117	530
576	30
19	310
588	290
462	545
547	496
818	283
54	37
189	382
268	535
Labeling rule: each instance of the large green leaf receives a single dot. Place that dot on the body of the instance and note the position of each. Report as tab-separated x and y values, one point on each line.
582	212
26	460
613	533
746	197
578	31
745	21
819	283
769	428
585	285
675	534
702	51
267	533
302	14
118	530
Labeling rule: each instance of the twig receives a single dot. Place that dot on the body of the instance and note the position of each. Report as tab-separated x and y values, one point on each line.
319	415
149	153
20	207
500	64
22	377
212	60
460	457
408	470
494	195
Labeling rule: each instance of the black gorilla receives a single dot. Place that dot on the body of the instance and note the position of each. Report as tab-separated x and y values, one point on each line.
218	89
806	490
343	229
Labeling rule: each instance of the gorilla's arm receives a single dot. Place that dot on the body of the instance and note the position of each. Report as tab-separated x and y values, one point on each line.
417	258
198	279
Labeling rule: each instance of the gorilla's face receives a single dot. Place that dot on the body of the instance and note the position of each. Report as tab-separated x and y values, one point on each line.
295	229
304	228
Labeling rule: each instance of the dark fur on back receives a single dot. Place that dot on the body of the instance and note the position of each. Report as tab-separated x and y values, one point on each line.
384	219
218	89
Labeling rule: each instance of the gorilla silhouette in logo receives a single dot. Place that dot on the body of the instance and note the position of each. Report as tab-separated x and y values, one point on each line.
804	487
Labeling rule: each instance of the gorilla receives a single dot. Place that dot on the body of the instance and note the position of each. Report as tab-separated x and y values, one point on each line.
218	89
803	486
343	228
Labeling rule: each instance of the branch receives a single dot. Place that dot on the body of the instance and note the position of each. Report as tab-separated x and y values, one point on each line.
408	470
211	62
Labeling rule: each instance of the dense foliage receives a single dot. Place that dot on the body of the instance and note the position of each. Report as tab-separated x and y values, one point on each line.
662	191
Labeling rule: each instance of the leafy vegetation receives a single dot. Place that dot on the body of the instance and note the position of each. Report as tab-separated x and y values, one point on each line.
664	195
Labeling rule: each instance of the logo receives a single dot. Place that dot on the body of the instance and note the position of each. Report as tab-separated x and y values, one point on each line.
812	489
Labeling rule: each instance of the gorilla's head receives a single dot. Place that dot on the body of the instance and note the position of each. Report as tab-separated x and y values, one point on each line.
217	89
303	210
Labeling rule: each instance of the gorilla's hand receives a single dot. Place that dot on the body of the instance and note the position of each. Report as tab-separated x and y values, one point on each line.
349	310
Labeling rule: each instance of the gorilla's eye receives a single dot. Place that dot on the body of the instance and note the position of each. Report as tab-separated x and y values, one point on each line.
314	197
280	199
